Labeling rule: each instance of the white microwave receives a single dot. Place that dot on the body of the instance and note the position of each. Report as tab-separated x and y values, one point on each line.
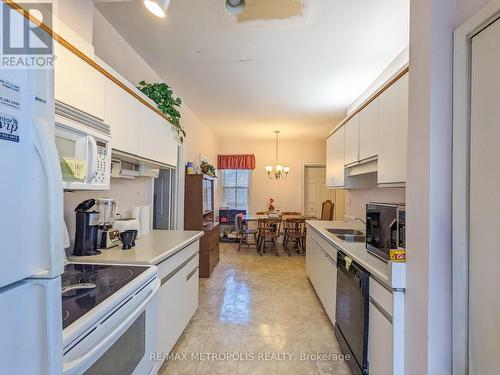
86	147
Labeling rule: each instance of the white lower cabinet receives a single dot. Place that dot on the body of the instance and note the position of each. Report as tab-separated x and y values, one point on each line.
379	343
178	299
322	272
381	354
386	308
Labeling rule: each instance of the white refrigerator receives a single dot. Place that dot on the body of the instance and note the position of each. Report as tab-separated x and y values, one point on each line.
31	221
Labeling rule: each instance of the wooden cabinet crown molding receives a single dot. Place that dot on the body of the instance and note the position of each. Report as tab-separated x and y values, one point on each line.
66	44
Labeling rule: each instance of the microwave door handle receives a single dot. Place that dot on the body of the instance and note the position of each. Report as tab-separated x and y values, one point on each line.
93	158
46	149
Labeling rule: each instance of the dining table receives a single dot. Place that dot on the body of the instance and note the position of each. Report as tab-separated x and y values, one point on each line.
251	218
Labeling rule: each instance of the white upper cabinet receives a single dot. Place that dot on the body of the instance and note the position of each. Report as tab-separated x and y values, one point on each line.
157	137
368	131
352	140
335	162
79	84
122	114
392	133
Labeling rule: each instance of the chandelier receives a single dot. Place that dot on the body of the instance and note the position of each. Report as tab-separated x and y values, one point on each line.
277	171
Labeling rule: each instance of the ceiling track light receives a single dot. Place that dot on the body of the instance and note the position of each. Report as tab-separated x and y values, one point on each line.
157	7
235	6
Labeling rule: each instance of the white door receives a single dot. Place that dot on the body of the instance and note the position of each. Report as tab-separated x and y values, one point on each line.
31	194
484	204
315	192
31	327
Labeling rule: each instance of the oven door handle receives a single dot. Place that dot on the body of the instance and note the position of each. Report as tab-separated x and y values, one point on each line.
81	364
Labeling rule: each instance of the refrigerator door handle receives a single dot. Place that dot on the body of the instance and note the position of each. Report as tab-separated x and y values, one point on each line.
46	149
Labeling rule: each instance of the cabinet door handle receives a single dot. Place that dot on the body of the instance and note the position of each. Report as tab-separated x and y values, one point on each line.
192	273
383	311
177	269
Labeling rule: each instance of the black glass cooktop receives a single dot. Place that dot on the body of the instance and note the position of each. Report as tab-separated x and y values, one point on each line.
98	282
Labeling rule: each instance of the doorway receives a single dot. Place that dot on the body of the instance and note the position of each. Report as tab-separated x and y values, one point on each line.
476	206
315	192
164	200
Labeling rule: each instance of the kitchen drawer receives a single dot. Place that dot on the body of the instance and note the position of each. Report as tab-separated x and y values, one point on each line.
381	295
168	265
322	243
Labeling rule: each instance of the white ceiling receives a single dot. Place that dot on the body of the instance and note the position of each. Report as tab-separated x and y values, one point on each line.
245	79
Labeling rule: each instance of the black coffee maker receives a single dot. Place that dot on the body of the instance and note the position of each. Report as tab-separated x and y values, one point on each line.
86	229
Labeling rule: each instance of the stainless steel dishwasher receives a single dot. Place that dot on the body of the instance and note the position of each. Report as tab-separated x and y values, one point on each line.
351	328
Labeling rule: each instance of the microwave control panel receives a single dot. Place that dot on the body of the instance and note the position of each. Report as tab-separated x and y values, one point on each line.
103	163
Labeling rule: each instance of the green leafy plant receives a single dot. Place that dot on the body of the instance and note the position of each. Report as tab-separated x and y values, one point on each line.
207	168
167	104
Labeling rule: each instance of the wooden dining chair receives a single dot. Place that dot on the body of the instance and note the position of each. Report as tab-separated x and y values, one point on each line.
268	231
244	232
293	230
327	210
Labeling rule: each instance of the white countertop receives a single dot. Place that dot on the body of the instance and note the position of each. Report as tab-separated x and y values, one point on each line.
151	248
379	269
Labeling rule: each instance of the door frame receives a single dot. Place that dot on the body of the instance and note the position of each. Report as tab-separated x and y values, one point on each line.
303	182
460	194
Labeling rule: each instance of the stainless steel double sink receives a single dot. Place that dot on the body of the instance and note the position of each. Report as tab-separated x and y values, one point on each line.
348	235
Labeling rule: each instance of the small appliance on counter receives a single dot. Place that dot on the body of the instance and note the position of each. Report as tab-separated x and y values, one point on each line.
107	234
86	229
123	225
385	228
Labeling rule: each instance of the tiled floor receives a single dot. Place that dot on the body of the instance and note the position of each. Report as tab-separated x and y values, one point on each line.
256	309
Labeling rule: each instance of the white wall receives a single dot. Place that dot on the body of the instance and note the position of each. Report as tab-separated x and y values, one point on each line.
78	15
113	49
127	194
428	294
288	193
399	62
357	199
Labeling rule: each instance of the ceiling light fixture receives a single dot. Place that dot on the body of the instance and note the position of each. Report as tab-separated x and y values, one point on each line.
235	6
157	7
277	171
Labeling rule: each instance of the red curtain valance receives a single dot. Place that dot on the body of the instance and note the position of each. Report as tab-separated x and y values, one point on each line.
236	162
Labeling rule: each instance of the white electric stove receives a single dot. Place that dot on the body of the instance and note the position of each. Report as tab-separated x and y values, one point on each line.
110	315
